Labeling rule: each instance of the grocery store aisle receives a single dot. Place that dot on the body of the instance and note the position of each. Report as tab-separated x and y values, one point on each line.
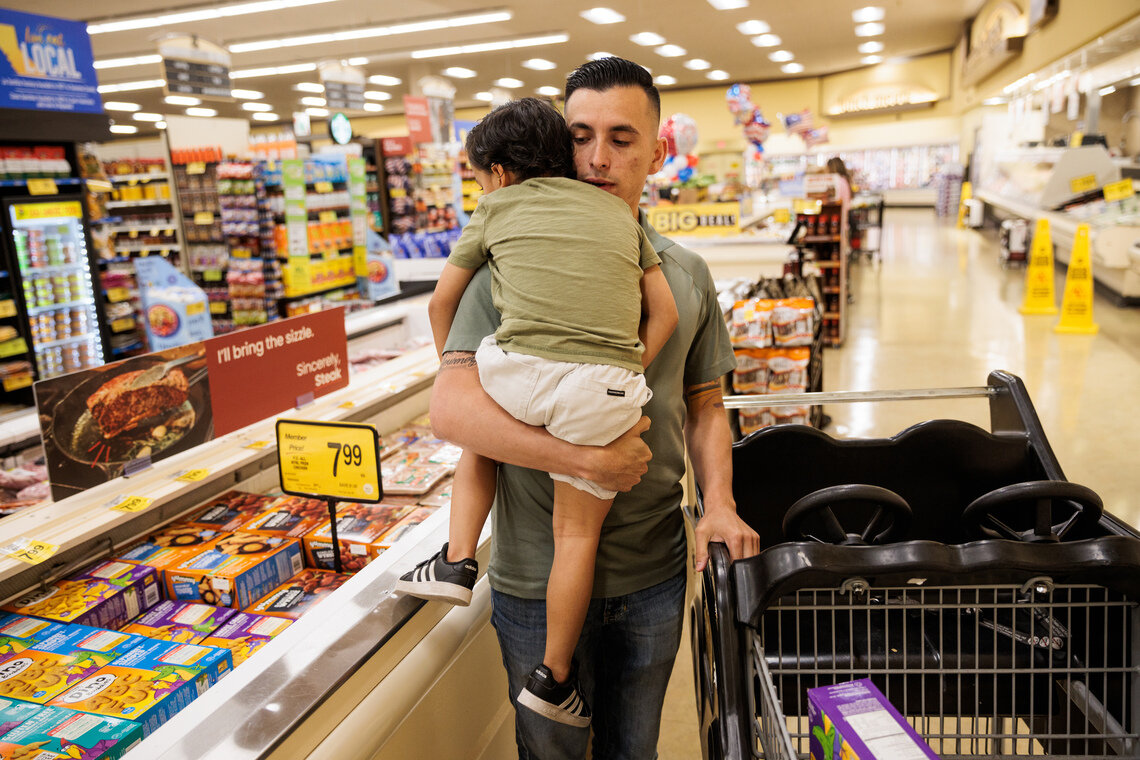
938	310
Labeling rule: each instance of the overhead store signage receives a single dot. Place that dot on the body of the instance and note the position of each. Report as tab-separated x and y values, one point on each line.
193	66
994	41
344	86
47	64
416	116
698	219
884	98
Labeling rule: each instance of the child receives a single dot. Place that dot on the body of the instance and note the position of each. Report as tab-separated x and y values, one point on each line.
572	276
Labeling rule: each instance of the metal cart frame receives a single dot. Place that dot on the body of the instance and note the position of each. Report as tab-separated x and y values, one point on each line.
990	648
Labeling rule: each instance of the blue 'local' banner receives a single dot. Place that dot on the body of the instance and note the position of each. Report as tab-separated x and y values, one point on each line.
46	64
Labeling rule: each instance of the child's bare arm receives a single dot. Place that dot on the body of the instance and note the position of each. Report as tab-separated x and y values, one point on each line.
659	313
445	301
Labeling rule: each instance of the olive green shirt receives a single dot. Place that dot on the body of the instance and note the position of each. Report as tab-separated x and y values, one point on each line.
566	261
643	537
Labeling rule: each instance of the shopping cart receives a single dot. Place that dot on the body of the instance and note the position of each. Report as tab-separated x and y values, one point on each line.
993	602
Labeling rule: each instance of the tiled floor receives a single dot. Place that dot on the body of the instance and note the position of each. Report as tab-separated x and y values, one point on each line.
937	310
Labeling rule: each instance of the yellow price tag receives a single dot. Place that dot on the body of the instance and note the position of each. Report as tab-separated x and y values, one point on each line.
7	308
192	476
327	216
256	445
212	275
13	347
115	295
781	216
131	503
197	167
1118	191
29	550
42	187
324	187
16	382
218	307
397	192
204	217
339	460
123	324
195	307
1083	184
133	234
348	405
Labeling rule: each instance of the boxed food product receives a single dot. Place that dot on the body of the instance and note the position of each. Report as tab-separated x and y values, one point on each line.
106	595
245	633
854	720
171	546
183	622
440	496
288	517
230	511
18	632
13	713
50	667
409	521
447	454
150	683
415	479
299	594
235	570
57	732
358	527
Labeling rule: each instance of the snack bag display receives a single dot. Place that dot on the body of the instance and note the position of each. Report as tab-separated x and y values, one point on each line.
18	632
358	527
57	732
245	633
150	683
752	323
793	322
410	520
50	667
230	511
106	595
751	373
788	370
754	419
183	622
299	594
235	570
414	480
288	517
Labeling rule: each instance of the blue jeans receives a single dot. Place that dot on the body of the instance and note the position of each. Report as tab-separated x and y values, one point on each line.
625	657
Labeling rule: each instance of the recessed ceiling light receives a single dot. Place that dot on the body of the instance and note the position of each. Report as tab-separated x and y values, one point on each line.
872	59
792	68
313	100
256	107
309	87
269	71
670	51
728	5
484	47
144	116
767	40
265	116
870	13
124	129
247	94
508	82
118	105
664	79
867	48
869	30
753	27
314	111
207	14
384	80
160	124
377	95
697	64
599	55
373	107
717	75
182	100
458	72
602	16
549	91
141	84
207	112
780	56
134	60
647	39
358	61
486	97
538	64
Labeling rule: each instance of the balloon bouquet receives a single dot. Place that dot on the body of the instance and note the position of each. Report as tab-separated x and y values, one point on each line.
747	115
680	134
803	125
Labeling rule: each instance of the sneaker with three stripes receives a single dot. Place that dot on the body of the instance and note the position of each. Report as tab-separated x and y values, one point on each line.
561	702
436	578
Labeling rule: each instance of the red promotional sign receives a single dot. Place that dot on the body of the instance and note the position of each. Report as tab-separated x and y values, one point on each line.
265	370
396	146
418	119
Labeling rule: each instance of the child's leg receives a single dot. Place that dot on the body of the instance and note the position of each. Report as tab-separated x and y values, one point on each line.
578	517
471	499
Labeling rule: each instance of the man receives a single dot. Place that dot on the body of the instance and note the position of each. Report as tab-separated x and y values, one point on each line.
633	625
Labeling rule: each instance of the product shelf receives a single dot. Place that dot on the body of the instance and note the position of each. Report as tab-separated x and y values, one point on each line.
34	310
147	177
139	204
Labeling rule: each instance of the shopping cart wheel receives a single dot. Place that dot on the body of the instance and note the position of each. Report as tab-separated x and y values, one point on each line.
813	517
1086	507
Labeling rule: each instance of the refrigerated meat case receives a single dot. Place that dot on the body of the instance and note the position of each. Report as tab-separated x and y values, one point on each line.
366	675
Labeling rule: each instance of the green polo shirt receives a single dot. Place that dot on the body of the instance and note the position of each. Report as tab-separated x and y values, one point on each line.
643	537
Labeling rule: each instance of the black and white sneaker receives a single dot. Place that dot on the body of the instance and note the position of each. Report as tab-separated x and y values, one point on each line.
561	702
436	578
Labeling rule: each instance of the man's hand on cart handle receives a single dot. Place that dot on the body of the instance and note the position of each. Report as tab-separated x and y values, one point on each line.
620	464
724	525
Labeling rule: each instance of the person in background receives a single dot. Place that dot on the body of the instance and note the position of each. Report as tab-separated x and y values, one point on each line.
835	165
633	623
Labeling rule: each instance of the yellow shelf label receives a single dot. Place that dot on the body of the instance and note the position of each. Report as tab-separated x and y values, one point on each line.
198	167
324	187
195	307
256	445
7	308
133	233
122	324
1118	191
13	347
212	275
1083	184
131	503
29	550
397	192
337	460
347	405
117	295
16	382
218	307
327	216
781	216
42	187
204	217
192	476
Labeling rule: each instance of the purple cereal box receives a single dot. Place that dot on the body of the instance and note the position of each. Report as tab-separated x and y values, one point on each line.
182	622
854	721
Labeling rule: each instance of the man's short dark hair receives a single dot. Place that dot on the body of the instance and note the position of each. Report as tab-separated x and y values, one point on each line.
607	73
527	137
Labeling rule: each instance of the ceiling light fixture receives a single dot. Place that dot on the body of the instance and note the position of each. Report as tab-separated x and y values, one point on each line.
717	75
135	60
182	100
142	84
309	87
325	38
320	112
256	107
872	59
485	97
664	79
458	72
602	16
697	64
484	47
124	129
647	39
869	30
265	116
508	82
549	91
869	48
166	19
247	94
206	112
869	13
781	55
728	5
670	51
753	27
160	124
767	40
144	116
384	80
377	95
313	100
358	61
118	105
269	71
538	64
792	68
373	107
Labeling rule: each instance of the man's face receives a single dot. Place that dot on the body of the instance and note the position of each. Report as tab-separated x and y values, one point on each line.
615	140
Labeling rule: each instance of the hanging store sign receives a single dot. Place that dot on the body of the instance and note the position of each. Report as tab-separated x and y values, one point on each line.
417	118
698	219
884	98
344	86
994	42
47	64
196	67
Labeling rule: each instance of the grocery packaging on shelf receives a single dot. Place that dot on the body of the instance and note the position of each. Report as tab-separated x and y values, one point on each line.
230	511
245	633
171	547
57	732
182	622
288	517
407	523
359	528
235	571
105	595
299	594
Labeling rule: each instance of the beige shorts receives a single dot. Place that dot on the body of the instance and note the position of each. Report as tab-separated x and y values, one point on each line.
586	404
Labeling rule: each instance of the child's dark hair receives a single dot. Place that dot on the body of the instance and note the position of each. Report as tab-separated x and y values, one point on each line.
527	137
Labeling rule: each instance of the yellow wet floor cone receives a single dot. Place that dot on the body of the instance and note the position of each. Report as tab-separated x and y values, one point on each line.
1039	296
966	194
1077	304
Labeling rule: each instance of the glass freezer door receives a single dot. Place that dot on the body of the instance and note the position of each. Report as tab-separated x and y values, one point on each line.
59	295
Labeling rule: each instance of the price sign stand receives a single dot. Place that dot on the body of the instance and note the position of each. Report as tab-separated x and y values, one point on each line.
334	461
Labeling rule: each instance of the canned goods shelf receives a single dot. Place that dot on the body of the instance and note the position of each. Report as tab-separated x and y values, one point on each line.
63	342
33	310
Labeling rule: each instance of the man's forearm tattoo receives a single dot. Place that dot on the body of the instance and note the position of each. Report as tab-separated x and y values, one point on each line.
703	394
453	359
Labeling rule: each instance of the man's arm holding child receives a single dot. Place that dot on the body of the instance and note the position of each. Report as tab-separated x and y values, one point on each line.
444	302
659	313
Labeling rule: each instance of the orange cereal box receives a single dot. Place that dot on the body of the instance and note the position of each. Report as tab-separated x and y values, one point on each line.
235	571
